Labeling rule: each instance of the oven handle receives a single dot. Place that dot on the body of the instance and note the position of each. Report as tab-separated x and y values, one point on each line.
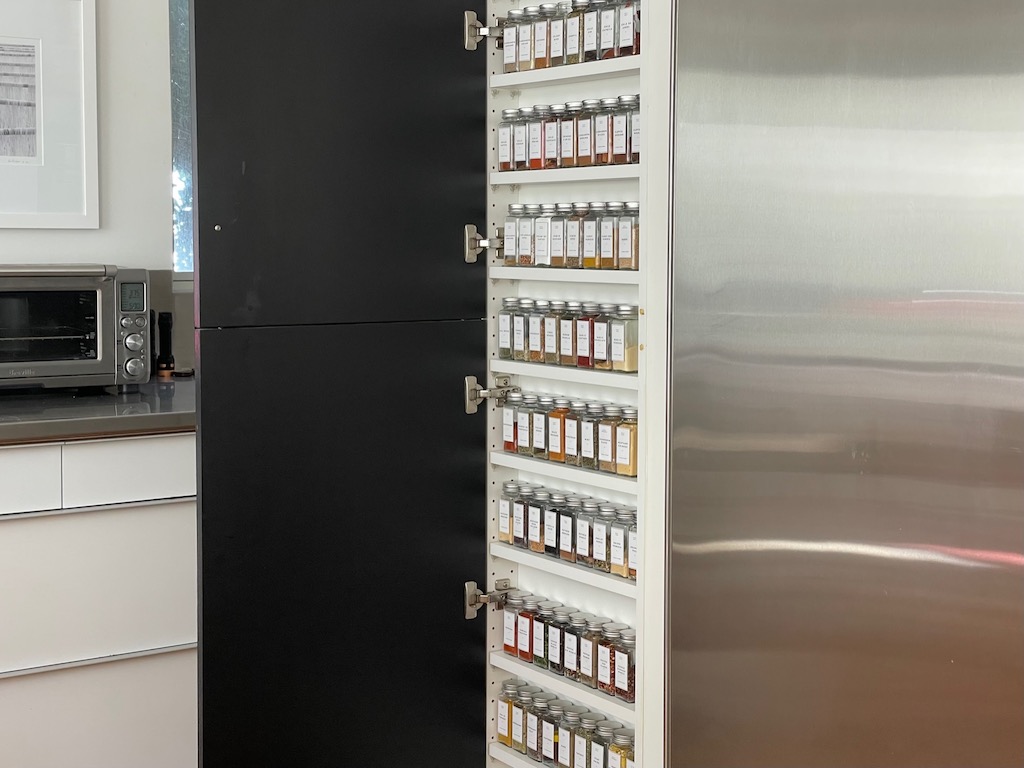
57	270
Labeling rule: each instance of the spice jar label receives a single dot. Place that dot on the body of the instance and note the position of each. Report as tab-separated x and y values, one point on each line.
579	757
531	731
601	134
508	427
508	44
635	147
618	342
600	541
618	547
551	141
539	646
605	443
597	756
554	642
524	430
505	144
626	27
517	725
534	518
583	339
503	718
626	241
584	136
535	140
555	435
587	440
572	36
622	671
540	432
633	559
608	239
518	520
557	239
586	657
600	341
540	40
511	236
619	134
589	239
590	31
565	347
568	138
614	759
550	528
557	39
504	332
565	533
623	446
504	516
519	143
571	448
630	763
564	742
548	740
608	29
510	629
583	538
550	334
526	237
525	42
519	333
571	642
525	633
536	331
541	243
604	665
572	240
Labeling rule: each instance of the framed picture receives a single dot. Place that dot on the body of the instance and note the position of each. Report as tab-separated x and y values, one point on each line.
48	134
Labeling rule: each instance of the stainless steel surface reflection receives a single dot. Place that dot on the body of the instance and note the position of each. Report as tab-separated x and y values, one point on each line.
847	583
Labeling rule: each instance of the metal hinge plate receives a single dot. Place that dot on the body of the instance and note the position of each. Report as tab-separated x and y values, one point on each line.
475	394
474	31
475	599
474	244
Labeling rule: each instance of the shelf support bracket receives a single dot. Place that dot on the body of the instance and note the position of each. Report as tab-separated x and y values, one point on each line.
475	598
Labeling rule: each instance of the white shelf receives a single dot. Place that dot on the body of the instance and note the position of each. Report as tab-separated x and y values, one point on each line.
627	381
507	756
562	472
626	66
614	708
605	581
549	275
563	175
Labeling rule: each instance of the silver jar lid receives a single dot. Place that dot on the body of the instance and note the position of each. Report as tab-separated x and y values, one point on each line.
566	610
616	207
633	207
548	209
542	305
532	602
510	685
624	736
597	622
516	15
578	405
557	305
613	630
541	704
608	309
573	106
573	502
531	11
516	209
573	306
526	112
591	105
557	706
581	208
598	207
525	493
628	636
547	401
514	398
595	409
590	720
564	208
549	9
561	402
577	4
629	100
557	499
532	209
541	496
591	507
509	301
557	109
623	516
591	307
628	311
612	412
548	606
542	110
571	715
608	727
607	510
511	487
630	413
526	303
607	104
509	114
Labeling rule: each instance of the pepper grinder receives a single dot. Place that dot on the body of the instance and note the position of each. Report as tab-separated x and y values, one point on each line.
165	362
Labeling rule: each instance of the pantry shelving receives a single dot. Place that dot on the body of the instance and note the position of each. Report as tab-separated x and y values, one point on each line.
552	275
604	581
566	175
609	482
627	381
594	71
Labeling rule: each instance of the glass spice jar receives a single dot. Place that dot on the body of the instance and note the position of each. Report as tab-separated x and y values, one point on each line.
629	28
585	533
545	615
535	521
574	236
619	555
516	211
601	536
510	617
588	650
626	443
570	722
559	623
582	738
603	739
572	432
539	420
634	550
620	129
520	131
590	235
603	131
606	438
626	339
519	709
535	136
585	132
535	331
524	433
634	132
625	666
542	236
525	37
610	636
510	424
585	335
588	435
567	529
549	730
592	29
509	35
567	149
552	136
556	430
552	319
562	213
508	121
602	338
509	492
608	31
571	644
556	56
542	36
567	334
524	627
504	715
552	510
520	324
519	511
505	315
620	752
526	234
574	25
608	249
536	711
629	237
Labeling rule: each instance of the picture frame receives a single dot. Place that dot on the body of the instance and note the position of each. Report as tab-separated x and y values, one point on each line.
48	122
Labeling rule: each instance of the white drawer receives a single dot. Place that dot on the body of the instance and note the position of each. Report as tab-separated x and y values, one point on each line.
29	478
131	469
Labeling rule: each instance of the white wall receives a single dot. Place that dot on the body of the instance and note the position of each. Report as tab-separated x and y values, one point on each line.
133	103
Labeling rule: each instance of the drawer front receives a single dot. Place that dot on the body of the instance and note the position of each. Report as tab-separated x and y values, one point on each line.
30	478
132	469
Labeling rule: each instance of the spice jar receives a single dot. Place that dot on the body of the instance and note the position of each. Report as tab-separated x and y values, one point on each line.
552	320
567	529
571	644
572	432
602	337
567	153
601	537
519	511
626	339
520	131
534	713
552	510
509	492
574	25
509	117
525	37
634	550
603	739
570	722
634	131
608	31
509	35
585	335
590	235
520	324
562	213
505	698
608	249
545	615
574	236
556	56
542	36
535	521
567	334
505	315
606	438
510	422
559	623
592	29
519	709
620	129
542	236
524	427
524	627
526	234
588	435
513	604
620	753
552	136
535	119
588	650
625	666
629	237
535	331
585	534
549	730
585	132
629	28
539	418
610	636
603	131
556	430
618	560
516	211
626	443
582	738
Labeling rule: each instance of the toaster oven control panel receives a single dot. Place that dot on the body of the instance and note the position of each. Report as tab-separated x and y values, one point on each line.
133	332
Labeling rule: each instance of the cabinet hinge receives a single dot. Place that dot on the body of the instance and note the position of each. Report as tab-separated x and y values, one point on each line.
475	244
475	394
475	599
474	31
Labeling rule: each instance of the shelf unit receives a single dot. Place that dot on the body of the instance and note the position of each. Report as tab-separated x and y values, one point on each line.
566	175
507	756
604	581
593	71
626	485
591	276
627	381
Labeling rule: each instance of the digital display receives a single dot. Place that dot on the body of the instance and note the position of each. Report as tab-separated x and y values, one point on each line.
133	297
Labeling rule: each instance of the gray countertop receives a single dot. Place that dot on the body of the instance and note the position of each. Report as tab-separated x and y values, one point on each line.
51	416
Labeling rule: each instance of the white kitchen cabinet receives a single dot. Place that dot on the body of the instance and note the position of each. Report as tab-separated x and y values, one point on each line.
29	478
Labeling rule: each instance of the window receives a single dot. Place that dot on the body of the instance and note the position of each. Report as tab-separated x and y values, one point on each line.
181	136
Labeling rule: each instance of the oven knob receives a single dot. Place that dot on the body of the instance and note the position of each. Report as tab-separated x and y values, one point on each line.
126	322
134	341
134	367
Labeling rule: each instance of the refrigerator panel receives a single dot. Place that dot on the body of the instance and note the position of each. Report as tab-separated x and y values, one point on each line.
340	490
847	483
340	150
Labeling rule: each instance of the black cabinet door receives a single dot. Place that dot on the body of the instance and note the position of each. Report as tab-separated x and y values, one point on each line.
340	149
341	509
